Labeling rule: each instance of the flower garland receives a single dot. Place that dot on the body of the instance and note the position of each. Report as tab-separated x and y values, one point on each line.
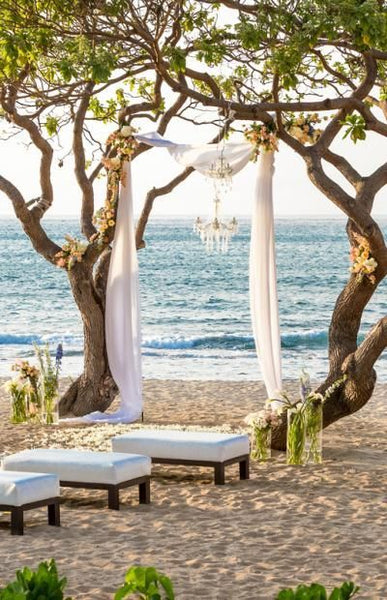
263	137
363	264
303	127
123	145
72	252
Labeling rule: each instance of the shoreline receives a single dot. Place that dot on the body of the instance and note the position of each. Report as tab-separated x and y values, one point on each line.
247	539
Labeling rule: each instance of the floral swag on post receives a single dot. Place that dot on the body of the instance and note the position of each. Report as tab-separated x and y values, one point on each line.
263	136
363	264
122	146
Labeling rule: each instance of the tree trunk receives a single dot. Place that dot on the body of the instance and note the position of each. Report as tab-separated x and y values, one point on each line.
346	357
94	389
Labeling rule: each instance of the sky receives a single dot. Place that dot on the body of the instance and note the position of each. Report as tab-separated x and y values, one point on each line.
293	193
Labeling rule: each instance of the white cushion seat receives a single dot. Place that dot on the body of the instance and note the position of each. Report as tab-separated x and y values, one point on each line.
188	447
21	491
18	488
84	468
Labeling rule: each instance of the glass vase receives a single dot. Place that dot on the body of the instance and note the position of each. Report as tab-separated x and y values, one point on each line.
18	408
313	426
50	410
261	444
295	437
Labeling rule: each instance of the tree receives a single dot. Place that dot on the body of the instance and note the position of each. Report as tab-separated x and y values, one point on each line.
281	63
288	64
70	67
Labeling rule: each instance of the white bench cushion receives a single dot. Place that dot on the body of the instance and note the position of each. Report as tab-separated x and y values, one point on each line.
182	445
81	466
21	488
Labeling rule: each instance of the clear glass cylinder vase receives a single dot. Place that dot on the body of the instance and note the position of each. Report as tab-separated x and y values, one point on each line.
50	410
261	444
313	427
295	437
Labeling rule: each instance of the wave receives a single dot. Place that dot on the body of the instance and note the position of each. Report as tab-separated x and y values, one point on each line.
308	339
9	339
312	338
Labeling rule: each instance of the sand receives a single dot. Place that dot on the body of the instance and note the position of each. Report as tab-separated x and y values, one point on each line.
245	540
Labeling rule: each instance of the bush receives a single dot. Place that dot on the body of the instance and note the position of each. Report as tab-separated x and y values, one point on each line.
318	592
147	584
42	584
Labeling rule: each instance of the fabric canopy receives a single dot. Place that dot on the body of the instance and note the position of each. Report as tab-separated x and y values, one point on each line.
122	296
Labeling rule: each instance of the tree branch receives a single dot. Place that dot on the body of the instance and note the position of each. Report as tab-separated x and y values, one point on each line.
84	182
371	347
345	168
30	222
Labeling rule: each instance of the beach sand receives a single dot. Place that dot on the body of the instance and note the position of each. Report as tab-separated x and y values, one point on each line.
248	539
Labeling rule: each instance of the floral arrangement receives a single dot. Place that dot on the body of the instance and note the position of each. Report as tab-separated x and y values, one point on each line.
49	381
263	137
122	145
261	424
71	253
303	127
363	264
34	392
303	442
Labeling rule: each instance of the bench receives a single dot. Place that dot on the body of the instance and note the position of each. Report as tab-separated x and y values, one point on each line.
23	491
110	471
203	448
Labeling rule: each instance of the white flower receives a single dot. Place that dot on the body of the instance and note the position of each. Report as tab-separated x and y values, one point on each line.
126	131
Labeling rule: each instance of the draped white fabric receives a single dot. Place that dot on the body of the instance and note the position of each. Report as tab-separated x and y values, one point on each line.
123	337
263	279
122	319
203	155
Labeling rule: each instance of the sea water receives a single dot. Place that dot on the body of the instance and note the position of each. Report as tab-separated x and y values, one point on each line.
195	313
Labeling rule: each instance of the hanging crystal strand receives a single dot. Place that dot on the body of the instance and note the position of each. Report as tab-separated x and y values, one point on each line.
215	234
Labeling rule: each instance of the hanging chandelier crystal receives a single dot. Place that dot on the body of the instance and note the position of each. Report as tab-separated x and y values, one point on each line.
221	172
216	234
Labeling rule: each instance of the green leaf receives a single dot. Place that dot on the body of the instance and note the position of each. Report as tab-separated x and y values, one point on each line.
285	595
52	125
177	59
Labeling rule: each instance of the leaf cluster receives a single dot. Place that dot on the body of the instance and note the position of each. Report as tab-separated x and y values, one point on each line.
318	592
147	583
35	585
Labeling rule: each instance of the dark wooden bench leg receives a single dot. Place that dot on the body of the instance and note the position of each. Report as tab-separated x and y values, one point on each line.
54	514
244	471
144	492
219	474
17	521
114	497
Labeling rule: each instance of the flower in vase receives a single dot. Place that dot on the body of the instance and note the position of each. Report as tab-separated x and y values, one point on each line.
261	424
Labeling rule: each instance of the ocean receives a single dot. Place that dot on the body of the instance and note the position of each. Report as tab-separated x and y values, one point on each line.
194	305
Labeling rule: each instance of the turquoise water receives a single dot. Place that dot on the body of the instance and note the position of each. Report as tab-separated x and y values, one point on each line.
195	306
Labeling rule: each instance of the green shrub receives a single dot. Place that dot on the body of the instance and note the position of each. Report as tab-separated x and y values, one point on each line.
318	592
42	584
147	584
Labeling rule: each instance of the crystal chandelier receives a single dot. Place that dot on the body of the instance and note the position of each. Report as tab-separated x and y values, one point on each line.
216	234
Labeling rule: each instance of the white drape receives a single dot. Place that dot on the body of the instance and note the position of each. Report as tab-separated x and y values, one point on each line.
122	295
201	156
263	279
122	319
